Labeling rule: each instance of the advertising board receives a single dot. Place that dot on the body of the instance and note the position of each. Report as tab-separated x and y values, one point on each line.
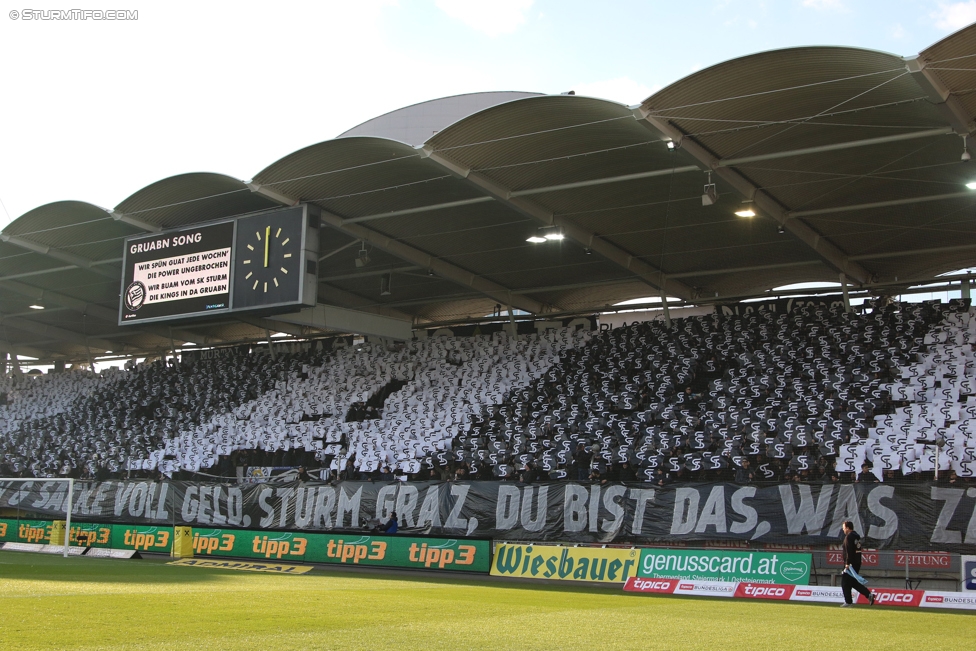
25	531
460	555
725	565
968	564
810	594
346	549
565	563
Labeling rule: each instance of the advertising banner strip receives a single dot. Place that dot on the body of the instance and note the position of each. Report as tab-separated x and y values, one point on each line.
277	568
25	531
921	516
725	565
802	593
345	549
98	552
955	600
818	594
565	563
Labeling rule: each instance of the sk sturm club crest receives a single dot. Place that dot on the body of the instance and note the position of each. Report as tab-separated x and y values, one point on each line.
135	295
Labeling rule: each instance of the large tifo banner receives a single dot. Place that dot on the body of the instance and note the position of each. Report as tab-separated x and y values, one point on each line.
379	551
922	516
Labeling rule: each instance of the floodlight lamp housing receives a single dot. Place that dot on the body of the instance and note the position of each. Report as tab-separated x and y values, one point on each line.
363	258
710	195
746	209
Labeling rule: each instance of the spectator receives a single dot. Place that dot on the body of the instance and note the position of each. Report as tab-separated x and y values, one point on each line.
745	474
582	460
626	473
866	476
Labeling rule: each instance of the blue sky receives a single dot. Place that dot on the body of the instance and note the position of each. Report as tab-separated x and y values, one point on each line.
96	110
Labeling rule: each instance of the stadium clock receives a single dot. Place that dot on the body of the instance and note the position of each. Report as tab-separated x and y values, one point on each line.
271	258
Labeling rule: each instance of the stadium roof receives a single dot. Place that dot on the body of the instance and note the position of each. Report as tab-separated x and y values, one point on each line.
851	159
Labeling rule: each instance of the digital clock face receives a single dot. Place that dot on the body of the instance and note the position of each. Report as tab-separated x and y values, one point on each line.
269	258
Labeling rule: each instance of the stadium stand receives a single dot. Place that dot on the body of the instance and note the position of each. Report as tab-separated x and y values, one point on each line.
30	404
698	400
186	417
87	425
936	405
809	395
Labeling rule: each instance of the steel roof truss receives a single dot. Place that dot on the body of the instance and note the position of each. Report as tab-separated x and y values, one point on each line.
408	253
947	104
58	254
645	272
830	253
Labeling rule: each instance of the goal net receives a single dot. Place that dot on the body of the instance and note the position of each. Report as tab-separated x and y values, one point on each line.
15	489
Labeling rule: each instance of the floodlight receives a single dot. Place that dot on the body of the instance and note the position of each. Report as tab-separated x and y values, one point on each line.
363	258
710	193
746	209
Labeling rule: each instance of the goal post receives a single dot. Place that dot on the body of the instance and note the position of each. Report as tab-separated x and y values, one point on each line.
68	503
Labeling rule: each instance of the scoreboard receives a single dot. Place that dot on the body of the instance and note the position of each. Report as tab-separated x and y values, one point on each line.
257	262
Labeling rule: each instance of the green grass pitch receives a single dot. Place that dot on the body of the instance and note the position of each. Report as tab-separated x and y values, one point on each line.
47	602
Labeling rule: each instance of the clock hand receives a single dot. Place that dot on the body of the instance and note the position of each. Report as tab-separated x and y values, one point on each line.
267	238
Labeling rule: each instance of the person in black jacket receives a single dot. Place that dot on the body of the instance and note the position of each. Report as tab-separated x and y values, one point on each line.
852	559
744	474
866	476
582	460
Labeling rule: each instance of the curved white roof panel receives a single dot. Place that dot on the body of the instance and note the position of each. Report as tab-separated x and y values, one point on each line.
414	125
849	159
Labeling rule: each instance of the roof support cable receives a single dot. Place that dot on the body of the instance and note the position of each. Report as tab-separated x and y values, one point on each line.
664	236
805	121
84	325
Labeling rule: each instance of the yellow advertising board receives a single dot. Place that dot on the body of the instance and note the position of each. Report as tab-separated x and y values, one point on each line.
565	563
277	568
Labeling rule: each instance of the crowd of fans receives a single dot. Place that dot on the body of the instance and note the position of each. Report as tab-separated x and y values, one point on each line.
812	395
760	397
84	425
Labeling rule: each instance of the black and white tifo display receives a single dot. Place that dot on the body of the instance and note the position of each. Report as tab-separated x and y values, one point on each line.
261	261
